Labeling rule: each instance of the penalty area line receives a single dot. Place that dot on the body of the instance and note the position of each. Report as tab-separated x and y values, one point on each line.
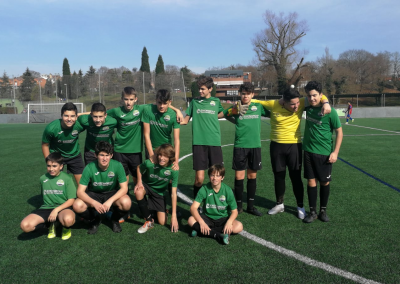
304	259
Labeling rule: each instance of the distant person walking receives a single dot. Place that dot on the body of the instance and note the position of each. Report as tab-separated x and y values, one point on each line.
349	111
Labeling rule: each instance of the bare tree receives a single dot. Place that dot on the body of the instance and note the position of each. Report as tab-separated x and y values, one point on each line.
276	45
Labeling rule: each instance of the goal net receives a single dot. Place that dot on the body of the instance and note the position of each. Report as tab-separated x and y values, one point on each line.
45	113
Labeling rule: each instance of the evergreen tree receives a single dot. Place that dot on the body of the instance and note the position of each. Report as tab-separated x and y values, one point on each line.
66	79
59	89
48	88
187	76
160	65
26	86
5	86
81	83
66	70
145	61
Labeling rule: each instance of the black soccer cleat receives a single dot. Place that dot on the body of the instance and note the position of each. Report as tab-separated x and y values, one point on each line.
94	225
310	217
116	227
254	212
322	216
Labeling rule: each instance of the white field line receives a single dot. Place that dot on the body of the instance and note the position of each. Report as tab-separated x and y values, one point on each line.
372	128
289	253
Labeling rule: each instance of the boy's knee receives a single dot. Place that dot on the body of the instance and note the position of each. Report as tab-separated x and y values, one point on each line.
26	227
79	206
191	221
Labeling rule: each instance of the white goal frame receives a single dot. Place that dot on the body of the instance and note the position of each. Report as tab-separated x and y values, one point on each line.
38	107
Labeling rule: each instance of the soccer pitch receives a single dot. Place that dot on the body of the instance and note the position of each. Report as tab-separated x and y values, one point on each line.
360	244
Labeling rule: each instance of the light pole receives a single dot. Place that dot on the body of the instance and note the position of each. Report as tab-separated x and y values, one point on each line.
40	92
56	86
66	92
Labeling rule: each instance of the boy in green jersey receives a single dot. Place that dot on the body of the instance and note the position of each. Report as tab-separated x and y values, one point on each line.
99	127
59	193
247	147
319	154
153	180
206	133
103	185
218	200
61	135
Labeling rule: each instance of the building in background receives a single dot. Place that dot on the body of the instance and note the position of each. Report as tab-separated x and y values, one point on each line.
228	81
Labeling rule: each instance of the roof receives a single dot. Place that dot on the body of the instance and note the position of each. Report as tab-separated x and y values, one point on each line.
215	73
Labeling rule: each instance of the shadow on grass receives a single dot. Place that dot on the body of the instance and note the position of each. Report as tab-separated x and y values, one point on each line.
36	200
32	235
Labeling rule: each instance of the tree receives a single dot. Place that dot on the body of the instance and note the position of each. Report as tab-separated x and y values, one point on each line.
48	88
66	79
26	86
187	76
5	86
145	61
276	45
66	70
160	65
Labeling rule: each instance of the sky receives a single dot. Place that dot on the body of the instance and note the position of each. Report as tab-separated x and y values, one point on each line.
198	34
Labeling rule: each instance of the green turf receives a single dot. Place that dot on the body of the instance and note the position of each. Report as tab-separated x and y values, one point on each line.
362	237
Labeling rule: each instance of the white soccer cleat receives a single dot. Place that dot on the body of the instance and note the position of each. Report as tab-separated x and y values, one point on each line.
147	226
352	120
301	213
277	209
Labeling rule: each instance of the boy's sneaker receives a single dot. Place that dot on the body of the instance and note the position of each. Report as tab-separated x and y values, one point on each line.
301	213
322	216
225	239
116	227
66	233
52	231
147	226
277	209
194	233
352	120
254	211
94	225
311	217
122	220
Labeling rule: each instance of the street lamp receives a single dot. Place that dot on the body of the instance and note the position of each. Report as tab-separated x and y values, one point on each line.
40	92
66	92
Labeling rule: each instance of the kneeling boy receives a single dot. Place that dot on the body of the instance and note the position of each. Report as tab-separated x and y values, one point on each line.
103	184
153	180
218	198
59	193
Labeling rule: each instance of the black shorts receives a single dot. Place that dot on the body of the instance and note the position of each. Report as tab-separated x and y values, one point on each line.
155	201
206	156
75	165
317	167
218	223
45	213
102	196
285	155
129	161
89	157
244	158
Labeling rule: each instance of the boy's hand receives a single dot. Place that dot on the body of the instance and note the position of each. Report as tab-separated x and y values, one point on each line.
332	158
326	109
175	166
174	225
107	205
139	186
228	228
179	116
153	159
99	207
205	230
53	215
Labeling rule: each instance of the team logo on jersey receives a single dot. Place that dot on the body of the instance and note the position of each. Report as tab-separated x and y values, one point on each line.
111	174
96	173
123	115
105	128
75	133
222	198
167	118
95	184
136	112
212	103
210	194
46	180
167	173
60	182
253	108
61	132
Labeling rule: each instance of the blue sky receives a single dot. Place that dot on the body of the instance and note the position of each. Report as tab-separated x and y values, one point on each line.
199	34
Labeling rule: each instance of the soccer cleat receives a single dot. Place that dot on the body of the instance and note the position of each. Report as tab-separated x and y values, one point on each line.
52	231
194	233
116	227
311	217
94	225
352	120
347	122
122	220
277	209
254	211
225	239
66	233
301	213
322	216
147	226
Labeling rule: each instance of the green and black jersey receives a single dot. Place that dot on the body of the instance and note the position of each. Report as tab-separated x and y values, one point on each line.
95	134
56	190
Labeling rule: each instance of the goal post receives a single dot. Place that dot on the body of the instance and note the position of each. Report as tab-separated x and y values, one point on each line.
44	113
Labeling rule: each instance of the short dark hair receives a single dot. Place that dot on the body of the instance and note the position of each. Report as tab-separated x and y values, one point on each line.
128	91
246	87
220	169
313	85
290	94
163	95
55	157
166	150
205	81
104	146
69	107
98	107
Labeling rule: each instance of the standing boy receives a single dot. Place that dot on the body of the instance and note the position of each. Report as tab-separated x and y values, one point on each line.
61	136
319	154
206	133
103	184
59	193
247	147
219	200
349	112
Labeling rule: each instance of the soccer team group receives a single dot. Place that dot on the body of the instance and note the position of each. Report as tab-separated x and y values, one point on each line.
103	177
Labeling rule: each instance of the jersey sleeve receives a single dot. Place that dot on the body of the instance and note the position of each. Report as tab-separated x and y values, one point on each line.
335	121
189	110
175	176
266	104
145	116
121	173
47	134
111	112
201	195
143	167
230	199
220	108
85	179
70	189
84	120
265	112
79	127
